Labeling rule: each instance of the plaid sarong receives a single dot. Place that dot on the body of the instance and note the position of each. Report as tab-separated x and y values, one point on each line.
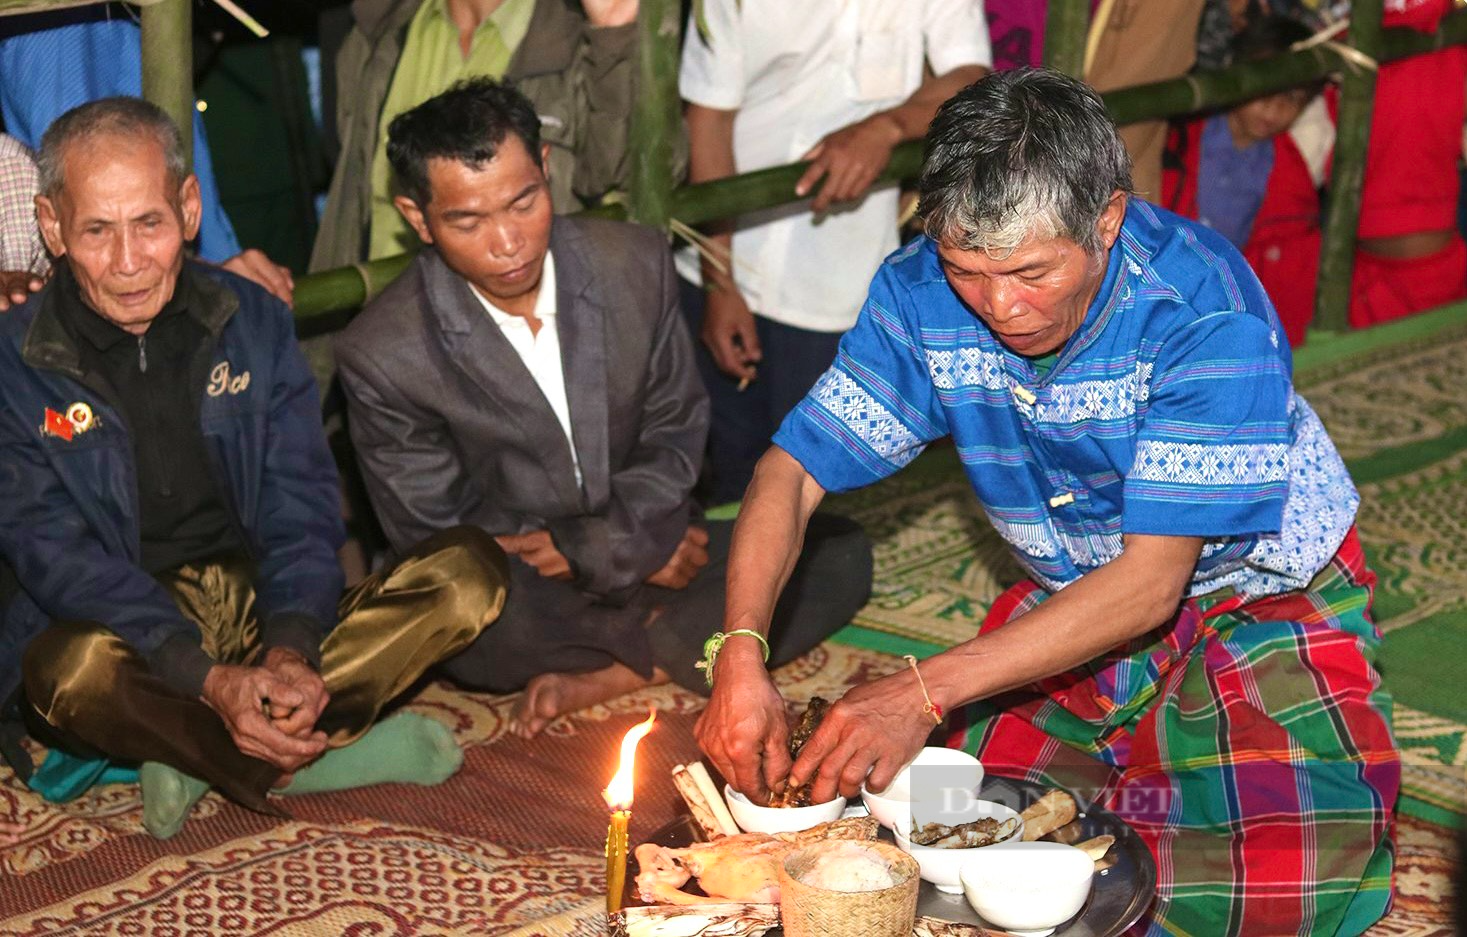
1249	745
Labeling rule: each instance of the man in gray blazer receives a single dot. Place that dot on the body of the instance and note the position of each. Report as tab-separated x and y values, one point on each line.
531	375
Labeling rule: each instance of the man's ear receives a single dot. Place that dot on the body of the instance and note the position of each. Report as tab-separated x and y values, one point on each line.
414	216
1109	225
49	219
545	160
191	205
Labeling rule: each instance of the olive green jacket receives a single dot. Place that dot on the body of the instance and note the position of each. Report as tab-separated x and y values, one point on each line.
581	81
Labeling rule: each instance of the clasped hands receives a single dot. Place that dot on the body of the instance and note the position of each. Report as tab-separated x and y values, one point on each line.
271	709
867	737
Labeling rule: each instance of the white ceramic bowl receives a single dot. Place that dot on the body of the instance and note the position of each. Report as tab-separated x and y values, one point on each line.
1027	888
942	866
753	818
893	807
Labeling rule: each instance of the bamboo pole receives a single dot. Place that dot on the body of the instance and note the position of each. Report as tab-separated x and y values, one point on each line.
656	113
333	292
1347	174
168	64
1066	26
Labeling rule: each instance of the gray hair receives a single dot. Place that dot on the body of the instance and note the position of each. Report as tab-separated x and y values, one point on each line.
122	116
1021	153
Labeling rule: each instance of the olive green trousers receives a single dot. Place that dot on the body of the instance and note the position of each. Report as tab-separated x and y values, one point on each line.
96	693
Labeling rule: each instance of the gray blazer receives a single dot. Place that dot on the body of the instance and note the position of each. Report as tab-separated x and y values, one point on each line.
450	428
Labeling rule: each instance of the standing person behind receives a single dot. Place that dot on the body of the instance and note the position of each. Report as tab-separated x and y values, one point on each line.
23	261
169	510
52	62
1241	173
530	374
1410	255
840	84
1135	42
575	59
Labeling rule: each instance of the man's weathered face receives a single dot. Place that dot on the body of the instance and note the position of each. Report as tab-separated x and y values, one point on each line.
491	225
1034	298
121	223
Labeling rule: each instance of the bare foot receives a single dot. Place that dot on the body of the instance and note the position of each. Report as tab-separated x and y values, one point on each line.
552	695
10	833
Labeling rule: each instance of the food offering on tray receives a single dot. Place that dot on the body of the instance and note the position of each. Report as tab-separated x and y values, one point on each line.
836	888
984	831
981	823
809	722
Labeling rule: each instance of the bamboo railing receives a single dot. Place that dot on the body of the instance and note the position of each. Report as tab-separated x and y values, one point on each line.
324	301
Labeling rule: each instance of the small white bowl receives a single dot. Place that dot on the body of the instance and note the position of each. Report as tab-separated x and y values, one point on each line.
943	866
753	818
892	807
1028	888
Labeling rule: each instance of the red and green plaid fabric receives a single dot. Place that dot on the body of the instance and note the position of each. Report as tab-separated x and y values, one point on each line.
1250	745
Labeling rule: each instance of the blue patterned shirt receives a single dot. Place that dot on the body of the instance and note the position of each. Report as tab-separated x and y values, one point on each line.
1170	411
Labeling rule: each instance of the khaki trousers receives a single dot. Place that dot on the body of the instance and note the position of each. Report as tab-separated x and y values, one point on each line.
99	696
1144	41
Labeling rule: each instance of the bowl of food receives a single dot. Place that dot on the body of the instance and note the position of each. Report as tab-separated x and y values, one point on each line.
932	773
941	850
845	888
758	818
1028	888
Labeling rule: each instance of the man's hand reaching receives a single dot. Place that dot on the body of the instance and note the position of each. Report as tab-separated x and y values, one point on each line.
246	698
849	159
730	333
16	286
538	549
256	265
686	561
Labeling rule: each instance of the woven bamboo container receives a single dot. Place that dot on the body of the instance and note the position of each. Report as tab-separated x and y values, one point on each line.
807	911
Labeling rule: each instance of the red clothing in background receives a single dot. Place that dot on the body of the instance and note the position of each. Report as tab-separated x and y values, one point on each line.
1283	245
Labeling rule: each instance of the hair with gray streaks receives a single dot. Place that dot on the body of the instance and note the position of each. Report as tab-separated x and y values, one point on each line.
120	116
1027	152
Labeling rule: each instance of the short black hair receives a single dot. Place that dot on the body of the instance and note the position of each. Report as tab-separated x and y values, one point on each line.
467	123
1266	36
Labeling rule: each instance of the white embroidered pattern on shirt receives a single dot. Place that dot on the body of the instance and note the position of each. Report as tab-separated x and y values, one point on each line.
1113	399
1190	463
867	417
966	367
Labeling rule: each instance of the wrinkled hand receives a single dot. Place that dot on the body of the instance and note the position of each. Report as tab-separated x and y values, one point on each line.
538	549
849	159
730	334
876	728
16	286
745	731
610	12
255	265
686	561
241	695
10	833
290	668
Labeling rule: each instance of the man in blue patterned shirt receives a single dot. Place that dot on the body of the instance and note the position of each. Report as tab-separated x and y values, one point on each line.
1194	642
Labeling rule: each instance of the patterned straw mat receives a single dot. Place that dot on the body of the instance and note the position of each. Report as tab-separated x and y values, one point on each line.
512	844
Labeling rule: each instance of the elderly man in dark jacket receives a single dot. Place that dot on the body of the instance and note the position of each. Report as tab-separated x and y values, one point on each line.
169	510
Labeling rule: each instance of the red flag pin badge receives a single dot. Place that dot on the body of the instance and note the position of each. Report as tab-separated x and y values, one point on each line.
57	425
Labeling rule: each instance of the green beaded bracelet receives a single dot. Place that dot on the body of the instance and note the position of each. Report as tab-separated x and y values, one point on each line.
713	645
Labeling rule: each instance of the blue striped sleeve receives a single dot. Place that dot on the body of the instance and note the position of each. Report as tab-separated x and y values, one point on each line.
1212	448
874	410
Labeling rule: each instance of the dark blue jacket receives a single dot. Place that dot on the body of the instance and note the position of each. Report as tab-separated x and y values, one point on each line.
69	523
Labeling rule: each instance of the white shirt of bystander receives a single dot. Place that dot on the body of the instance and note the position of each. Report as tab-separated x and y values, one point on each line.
540	351
796	72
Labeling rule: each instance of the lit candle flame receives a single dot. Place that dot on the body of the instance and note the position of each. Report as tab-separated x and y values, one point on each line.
618	793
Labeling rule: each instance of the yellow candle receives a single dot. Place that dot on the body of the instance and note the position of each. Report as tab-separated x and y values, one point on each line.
616	859
618	795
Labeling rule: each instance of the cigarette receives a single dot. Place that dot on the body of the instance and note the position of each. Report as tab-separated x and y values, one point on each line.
743	384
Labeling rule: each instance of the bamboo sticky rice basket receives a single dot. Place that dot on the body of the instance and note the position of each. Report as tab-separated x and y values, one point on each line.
808	911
